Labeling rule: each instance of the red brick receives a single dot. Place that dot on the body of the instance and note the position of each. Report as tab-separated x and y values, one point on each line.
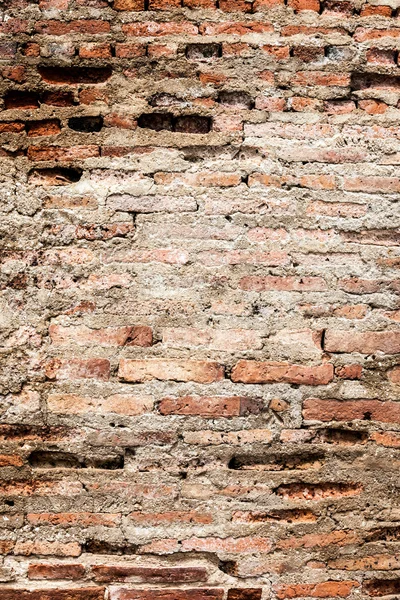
175	575
169	370
159	50
319	182
32	432
199	3
51	4
12	127
317	491
128	5
351	311
271	104
278	52
363	34
40	488
373	107
154	29
16	73
335	8
236	5
389	439
95	231
45	548
164	4
86	593
167	594
326	589
74	368
11	460
57	571
6	547
337	209
171	517
95	51
368	10
248	371
394	375
244	594
215	438
138	335
300	5
58	98
312	78
21	100
377	237
74	519
274	516
308	53
381	56
215	79
344	410
120	121
198	179
70	255
236	28
300	104
260	5
235	49
130	50
360	286
393	315
226	340
59	154
349	371
14	26
339	107
206	406
367	342
92	96
74	75
320	540
231	545
45	127
120	404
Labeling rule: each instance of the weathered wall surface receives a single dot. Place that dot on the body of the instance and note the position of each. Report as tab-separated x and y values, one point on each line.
199	299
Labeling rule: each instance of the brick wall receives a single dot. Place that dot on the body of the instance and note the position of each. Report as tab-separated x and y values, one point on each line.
199	311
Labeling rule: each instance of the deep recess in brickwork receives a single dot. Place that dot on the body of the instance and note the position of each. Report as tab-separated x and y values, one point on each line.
199	299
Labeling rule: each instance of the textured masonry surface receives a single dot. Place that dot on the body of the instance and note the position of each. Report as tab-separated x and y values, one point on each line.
199	299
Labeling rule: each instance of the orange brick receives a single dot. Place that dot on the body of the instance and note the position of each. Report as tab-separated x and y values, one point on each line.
327	589
300	5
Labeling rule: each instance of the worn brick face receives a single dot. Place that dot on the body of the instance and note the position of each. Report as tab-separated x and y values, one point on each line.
199	299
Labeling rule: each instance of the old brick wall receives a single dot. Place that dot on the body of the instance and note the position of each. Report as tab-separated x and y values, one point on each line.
199	311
